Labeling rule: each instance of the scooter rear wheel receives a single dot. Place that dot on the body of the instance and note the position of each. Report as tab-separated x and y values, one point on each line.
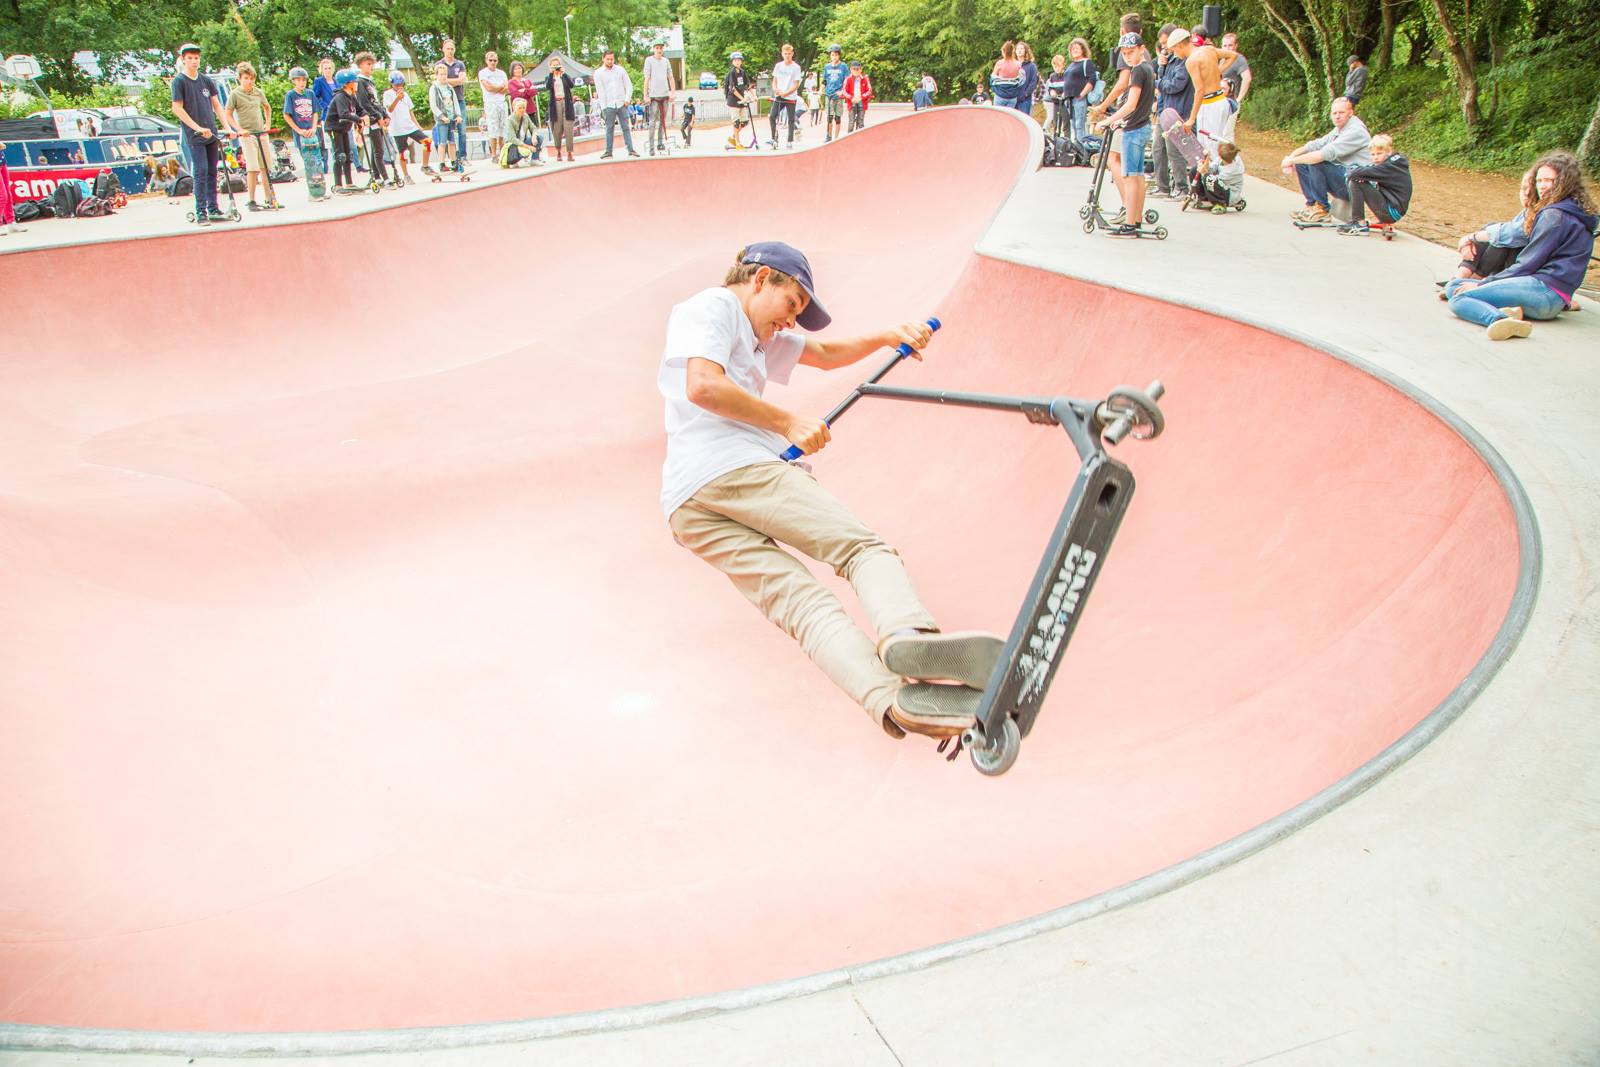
1088	225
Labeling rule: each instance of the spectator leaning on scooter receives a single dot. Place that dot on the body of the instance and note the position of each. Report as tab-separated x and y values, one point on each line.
730	499
1321	166
456	78
343	124
1128	145
786	75
250	113
375	120
196	104
659	85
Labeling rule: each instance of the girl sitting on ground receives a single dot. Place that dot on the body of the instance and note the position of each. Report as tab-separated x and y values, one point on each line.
1540	283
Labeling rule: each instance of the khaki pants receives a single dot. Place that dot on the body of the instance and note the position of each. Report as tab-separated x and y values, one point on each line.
734	522
560	129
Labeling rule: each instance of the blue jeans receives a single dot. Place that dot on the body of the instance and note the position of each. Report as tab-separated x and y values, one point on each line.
615	116
1080	118
1134	143
1482	304
461	131
206	156
1318	181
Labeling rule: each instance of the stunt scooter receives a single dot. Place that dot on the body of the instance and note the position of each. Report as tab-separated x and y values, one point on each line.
1073	556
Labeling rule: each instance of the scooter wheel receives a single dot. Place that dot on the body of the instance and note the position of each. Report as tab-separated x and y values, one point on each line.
1085	211
1136	406
995	755
233	214
190	216
1238	205
1151	217
1161	233
1088	225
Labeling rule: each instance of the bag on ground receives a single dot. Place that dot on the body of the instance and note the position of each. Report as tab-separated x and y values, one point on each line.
106	185
66	198
93	207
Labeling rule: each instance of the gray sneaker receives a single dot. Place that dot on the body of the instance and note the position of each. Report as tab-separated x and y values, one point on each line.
940	711
966	656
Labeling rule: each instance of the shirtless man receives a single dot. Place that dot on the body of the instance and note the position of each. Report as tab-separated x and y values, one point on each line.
1209	114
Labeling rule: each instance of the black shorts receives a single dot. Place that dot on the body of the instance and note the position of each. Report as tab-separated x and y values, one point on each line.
403	139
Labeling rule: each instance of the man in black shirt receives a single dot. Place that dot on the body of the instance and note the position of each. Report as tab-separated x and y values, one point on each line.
739	88
197	105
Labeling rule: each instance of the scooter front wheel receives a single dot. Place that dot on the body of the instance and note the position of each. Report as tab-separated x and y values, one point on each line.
1151	217
1088	225
995	755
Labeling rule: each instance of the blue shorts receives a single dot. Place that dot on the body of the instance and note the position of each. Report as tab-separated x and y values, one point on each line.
1134	142
444	133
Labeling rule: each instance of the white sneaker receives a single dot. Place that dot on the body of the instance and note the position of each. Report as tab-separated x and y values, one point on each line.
16	228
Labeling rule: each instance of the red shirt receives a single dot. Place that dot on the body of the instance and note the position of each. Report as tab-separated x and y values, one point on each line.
850	86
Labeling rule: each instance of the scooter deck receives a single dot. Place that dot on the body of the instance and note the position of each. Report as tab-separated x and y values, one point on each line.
1054	604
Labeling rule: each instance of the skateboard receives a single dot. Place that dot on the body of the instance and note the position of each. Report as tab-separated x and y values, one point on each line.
1181	139
452	174
316	171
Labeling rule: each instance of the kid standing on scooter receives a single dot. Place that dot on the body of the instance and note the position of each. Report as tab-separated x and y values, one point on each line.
730	499
344	117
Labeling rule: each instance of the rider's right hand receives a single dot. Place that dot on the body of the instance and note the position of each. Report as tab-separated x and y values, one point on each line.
811	435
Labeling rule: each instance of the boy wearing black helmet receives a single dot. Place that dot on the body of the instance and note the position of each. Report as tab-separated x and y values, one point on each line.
730	498
739	88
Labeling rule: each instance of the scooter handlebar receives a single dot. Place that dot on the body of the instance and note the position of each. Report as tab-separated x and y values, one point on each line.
901	351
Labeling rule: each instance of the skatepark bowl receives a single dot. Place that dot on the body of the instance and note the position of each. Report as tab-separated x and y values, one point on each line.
353	680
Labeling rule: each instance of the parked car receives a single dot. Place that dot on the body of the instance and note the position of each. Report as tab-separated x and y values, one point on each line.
124	124
708	80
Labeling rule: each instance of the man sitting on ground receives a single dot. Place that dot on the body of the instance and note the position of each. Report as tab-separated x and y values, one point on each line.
1322	165
1383	188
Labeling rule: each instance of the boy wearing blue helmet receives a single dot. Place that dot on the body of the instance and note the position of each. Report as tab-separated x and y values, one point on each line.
344	117
730	498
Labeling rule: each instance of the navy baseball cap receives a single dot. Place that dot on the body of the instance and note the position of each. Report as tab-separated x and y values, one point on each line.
791	261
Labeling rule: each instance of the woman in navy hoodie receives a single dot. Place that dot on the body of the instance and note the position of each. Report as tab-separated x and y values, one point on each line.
1541	282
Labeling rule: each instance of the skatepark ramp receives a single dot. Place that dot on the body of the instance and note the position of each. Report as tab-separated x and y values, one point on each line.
354	682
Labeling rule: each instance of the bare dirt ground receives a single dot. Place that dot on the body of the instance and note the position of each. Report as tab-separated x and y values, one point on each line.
1446	204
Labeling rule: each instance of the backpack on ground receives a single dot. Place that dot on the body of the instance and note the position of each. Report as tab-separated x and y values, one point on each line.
93	207
106	185
66	198
28	210
182	185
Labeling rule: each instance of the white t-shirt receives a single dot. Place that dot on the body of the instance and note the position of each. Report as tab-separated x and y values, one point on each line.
786	79
401	120
498	79
701	446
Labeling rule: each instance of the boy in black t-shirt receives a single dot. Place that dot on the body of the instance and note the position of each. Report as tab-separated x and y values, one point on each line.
197	105
375	120
1129	146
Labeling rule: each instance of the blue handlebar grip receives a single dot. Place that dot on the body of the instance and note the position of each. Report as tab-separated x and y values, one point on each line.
792	453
